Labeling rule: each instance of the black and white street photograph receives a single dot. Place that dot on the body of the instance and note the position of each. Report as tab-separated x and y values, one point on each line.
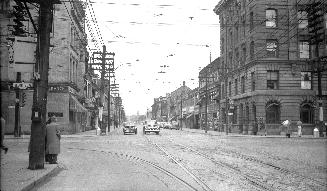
163	95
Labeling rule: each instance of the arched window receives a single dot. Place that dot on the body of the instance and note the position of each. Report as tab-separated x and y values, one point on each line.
272	113
307	113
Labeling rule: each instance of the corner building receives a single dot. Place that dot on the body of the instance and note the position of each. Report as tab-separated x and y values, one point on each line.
266	66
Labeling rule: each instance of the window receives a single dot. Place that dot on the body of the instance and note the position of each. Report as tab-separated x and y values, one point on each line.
237	58
251	20
273	114
241	118
272	79
272	48
307	113
271	18
247	114
252	81
302	17
222	45
242	84
230	89
252	50
56	114
236	86
304	49
244	55
306	80
230	60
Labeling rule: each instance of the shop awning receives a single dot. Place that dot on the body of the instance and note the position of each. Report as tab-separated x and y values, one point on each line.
173	118
75	105
190	115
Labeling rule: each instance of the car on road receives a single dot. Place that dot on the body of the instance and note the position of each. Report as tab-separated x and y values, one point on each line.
167	125
174	125
129	128
151	127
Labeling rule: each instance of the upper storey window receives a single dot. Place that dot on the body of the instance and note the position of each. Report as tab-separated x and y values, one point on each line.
271	18
272	48
302	17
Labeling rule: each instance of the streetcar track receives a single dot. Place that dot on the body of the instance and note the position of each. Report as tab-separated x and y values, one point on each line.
257	184
253	159
197	179
133	158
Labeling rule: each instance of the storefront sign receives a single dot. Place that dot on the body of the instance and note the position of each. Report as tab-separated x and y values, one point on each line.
58	89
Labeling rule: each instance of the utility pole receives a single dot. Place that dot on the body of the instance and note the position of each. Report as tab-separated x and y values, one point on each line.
206	103
17	130
39	108
317	30
227	115
103	69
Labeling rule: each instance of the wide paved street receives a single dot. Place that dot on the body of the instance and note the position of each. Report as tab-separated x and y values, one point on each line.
183	160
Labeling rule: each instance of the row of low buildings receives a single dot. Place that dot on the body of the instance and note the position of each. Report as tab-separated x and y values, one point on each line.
267	72
74	88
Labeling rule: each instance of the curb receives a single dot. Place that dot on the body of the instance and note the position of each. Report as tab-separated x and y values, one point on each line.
43	178
254	136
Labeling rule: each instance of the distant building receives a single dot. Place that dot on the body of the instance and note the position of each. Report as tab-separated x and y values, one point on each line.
268	71
159	109
208	86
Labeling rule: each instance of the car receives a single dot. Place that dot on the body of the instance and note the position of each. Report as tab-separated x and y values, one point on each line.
167	126
129	128
151	127
174	125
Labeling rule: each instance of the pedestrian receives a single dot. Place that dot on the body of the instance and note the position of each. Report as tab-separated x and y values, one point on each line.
299	128
52	141
287	124
3	129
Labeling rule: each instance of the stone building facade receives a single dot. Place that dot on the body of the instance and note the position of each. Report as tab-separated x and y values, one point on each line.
267	72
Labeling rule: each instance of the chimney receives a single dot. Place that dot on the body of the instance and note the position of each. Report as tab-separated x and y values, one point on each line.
183	83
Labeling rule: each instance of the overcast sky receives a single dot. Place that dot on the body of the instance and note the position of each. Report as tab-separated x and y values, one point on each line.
151	35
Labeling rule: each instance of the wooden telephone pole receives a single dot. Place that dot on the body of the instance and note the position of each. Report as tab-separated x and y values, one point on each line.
39	108
105	68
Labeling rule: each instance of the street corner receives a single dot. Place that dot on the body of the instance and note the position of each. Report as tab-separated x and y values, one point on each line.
44	175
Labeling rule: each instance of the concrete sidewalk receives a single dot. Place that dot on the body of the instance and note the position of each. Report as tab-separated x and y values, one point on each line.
14	173
216	133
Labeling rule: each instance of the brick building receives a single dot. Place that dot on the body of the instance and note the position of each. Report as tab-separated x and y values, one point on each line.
192	110
175	103
159	109
68	58
208	81
267	71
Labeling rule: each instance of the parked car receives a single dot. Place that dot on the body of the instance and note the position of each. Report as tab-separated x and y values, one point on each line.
174	125
151	127
167	125
129	128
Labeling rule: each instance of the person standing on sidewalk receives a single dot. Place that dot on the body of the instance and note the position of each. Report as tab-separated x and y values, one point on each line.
53	136
3	129
299	128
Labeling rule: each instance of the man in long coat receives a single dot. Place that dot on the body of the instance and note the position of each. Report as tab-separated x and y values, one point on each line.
52	141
